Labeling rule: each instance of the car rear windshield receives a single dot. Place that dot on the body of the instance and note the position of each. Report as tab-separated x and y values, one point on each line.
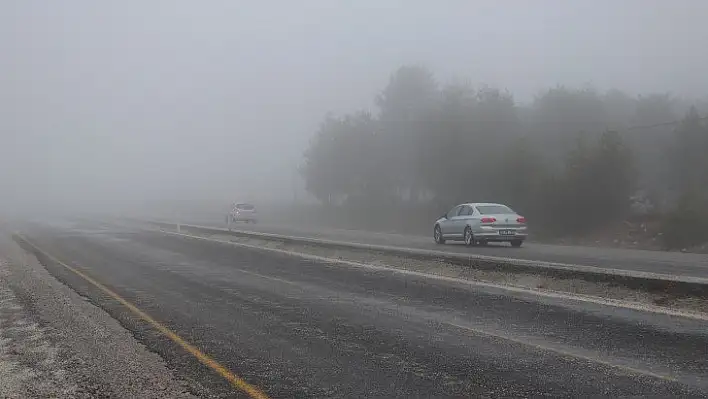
245	207
493	209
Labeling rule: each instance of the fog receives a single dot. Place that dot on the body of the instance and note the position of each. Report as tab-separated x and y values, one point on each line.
117	103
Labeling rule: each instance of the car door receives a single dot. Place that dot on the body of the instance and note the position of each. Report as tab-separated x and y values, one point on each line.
462	218
447	226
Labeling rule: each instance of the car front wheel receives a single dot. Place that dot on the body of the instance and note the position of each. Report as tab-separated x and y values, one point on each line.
516	243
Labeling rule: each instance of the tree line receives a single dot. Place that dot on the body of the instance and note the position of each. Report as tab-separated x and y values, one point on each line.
571	160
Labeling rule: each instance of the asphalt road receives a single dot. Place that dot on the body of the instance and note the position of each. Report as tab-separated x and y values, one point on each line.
297	328
673	263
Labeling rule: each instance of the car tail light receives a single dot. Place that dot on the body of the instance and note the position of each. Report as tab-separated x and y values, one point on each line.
489	220
521	219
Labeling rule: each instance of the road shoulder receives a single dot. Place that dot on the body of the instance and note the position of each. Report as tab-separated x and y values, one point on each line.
54	343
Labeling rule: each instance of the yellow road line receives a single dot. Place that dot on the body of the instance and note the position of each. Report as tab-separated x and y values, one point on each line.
237	382
562	352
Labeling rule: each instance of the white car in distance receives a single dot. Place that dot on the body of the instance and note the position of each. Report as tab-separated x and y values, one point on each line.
481	223
242	212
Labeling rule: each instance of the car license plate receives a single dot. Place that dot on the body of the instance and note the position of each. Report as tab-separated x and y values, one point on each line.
507	232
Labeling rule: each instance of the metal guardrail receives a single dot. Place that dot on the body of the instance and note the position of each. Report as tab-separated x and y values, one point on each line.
652	282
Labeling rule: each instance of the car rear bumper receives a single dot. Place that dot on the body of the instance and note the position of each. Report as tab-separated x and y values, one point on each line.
494	234
245	218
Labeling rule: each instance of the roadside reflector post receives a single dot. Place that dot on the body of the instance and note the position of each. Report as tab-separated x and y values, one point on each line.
178	228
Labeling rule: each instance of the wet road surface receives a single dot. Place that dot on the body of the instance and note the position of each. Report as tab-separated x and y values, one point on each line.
296	328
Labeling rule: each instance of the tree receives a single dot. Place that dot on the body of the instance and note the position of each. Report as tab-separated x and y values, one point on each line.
690	164
445	158
560	114
650	144
619	109
466	133
360	158
521	178
405	104
495	118
340	160
614	173
596	186
687	224
320	167
571	160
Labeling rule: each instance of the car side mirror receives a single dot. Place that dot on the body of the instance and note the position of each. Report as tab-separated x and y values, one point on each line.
444	216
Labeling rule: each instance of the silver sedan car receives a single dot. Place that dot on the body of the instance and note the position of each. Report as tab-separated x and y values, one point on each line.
480	223
241	212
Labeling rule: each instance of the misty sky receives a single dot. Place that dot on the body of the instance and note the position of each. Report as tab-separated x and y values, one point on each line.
147	99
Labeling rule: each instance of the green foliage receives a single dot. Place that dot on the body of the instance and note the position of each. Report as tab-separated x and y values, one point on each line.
556	160
689	169
687	224
596	185
405	105
336	163
521	179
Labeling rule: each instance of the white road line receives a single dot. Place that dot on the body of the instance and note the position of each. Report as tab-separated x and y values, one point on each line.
511	288
470	256
564	352
280	280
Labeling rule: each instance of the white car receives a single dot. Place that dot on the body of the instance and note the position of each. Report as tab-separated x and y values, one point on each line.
242	212
480	223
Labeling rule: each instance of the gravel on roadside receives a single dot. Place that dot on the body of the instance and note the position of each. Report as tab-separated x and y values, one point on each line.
54	343
29	363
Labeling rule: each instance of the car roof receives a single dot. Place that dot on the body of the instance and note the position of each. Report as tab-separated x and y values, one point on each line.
483	204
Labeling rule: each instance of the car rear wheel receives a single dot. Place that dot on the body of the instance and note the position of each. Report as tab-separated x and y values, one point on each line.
516	243
437	235
469	237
